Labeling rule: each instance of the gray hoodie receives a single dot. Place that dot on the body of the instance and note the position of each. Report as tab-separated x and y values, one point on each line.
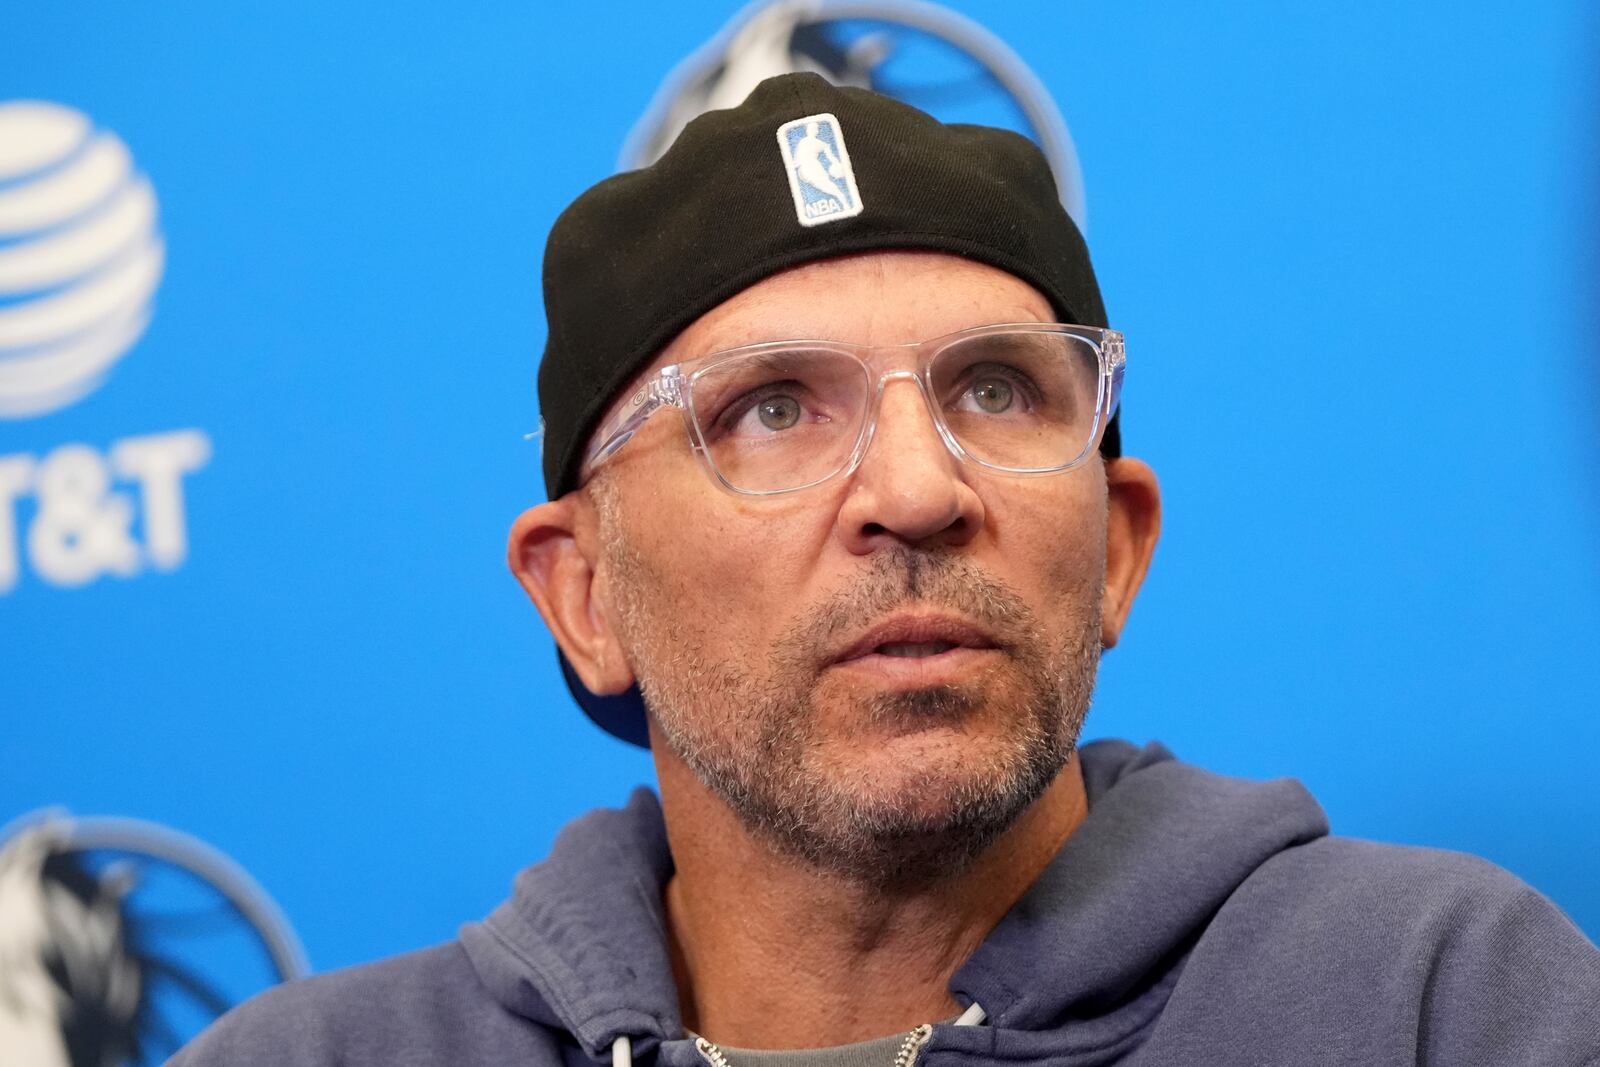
1191	919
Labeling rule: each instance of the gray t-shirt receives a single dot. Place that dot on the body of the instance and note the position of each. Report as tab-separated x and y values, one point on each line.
879	1052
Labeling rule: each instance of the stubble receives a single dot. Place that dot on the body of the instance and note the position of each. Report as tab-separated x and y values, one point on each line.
745	721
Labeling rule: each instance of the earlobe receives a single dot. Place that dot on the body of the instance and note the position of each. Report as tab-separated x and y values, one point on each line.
552	552
1133	526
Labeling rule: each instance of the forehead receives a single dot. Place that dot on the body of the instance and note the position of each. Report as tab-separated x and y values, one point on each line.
875	298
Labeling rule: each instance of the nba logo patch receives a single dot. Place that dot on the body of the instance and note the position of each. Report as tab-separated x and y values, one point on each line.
820	178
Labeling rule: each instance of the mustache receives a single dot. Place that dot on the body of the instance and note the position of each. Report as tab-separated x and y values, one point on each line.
906	577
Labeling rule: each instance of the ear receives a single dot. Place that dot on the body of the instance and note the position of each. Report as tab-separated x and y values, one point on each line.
553	551
1133	525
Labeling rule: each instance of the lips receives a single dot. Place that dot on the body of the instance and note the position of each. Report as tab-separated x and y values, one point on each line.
917	636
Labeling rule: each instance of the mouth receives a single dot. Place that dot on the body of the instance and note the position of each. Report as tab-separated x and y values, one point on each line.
914	649
917	640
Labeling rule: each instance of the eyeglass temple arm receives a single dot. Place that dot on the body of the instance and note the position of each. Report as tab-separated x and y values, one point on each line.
1116	358
661	391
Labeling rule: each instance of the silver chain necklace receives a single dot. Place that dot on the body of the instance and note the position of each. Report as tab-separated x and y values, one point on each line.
904	1058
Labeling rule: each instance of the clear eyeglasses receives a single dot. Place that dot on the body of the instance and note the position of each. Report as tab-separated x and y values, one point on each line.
1016	398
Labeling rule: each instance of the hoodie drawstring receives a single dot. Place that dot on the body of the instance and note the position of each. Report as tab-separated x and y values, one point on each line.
973	1016
622	1048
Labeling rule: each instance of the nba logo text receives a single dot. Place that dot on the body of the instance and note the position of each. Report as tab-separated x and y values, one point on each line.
821	179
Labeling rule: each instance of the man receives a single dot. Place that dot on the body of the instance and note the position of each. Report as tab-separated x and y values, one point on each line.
852	590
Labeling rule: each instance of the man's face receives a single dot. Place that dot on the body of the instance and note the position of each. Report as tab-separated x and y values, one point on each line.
879	673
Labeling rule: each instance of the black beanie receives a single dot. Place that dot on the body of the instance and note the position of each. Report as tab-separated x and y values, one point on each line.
640	256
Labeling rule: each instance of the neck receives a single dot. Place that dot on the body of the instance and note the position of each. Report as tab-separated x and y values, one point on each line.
771	953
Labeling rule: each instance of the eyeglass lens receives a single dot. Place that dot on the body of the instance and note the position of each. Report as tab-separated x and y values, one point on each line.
791	416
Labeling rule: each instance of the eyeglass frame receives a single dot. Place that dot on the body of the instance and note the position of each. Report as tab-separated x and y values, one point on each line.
669	388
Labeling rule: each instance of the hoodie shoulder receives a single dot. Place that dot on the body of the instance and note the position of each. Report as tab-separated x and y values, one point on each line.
1382	896
420	1007
1469	962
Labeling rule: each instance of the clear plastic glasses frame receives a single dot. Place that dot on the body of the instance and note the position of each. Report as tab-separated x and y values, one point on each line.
674	387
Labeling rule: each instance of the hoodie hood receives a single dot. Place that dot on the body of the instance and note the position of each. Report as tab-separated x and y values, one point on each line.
581	945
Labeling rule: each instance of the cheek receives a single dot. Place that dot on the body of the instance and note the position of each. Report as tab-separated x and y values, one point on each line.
1052	540
734	570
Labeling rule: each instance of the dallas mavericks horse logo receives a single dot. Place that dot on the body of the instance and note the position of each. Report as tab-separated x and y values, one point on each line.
119	940
820	176
925	55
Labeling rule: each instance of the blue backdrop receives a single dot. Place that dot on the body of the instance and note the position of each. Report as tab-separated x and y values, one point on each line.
1351	248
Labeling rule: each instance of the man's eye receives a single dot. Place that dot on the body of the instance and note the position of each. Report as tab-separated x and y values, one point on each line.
995	390
766	415
993	395
778	412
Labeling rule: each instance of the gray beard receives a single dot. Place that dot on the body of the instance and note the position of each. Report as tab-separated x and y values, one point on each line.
749	737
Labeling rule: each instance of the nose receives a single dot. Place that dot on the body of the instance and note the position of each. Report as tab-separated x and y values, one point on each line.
910	489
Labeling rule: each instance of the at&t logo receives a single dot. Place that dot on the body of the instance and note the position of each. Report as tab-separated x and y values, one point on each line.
79	256
80	259
81	527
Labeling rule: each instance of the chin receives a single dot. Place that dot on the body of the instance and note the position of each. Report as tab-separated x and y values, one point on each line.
910	761
933	777
891	788
904	828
